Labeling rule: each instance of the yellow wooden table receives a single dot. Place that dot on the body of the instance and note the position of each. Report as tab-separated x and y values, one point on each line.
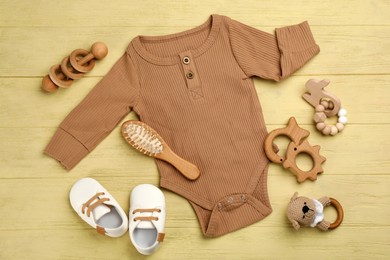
36	219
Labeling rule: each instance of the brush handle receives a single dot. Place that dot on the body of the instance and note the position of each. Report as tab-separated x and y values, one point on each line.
189	170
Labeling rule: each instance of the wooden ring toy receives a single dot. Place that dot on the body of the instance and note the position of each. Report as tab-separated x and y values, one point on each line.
98	51
294	150
69	71
298	145
73	67
78	55
58	77
340	213
316	94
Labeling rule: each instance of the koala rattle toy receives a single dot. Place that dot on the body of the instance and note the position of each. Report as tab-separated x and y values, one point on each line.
302	211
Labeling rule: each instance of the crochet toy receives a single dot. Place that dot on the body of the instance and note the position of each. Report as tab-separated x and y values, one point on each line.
302	211
73	67
326	105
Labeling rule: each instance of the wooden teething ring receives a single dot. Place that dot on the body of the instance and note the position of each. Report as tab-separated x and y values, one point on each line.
340	213
77	55
298	145
316	94
58	77
69	71
80	57
326	105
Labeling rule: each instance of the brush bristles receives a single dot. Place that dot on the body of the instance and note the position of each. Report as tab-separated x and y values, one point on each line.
143	140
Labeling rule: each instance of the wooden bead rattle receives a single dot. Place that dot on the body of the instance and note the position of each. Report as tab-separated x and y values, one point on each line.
326	105
298	144
73	67
303	211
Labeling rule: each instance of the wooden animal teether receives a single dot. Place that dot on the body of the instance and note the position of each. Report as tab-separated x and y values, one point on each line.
316	94
73	67
298	144
302	211
326	105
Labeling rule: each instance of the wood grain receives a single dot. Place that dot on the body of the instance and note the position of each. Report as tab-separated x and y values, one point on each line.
37	221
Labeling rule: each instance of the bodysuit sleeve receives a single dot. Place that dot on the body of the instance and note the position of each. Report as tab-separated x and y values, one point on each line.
97	115
272	56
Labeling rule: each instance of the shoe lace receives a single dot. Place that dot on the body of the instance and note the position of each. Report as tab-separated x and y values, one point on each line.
95	204
148	218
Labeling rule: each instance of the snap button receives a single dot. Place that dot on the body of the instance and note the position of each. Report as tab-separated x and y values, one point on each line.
190	75
230	200
243	198
219	205
186	60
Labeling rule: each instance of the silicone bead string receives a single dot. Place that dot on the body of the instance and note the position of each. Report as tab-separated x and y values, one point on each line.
320	117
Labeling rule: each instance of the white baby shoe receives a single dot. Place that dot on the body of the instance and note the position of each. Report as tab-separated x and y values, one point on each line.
146	218
95	205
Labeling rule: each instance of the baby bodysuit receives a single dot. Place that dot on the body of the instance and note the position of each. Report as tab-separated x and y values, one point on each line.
195	88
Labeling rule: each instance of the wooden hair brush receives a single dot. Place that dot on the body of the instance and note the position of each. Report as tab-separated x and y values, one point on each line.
146	140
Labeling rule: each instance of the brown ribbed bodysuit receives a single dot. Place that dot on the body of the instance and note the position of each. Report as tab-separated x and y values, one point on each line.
195	89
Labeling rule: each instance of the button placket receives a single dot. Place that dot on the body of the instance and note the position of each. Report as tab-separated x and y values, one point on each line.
191	75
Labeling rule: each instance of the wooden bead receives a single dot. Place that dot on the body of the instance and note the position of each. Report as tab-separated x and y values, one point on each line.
333	130
331	105
319	117
325	103
48	85
326	130
320	126
340	126
99	50
320	108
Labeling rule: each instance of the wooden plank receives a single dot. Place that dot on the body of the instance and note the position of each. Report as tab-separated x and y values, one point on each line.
188	243
37	221
23	151
173	13
49	197
366	98
344	50
52	221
